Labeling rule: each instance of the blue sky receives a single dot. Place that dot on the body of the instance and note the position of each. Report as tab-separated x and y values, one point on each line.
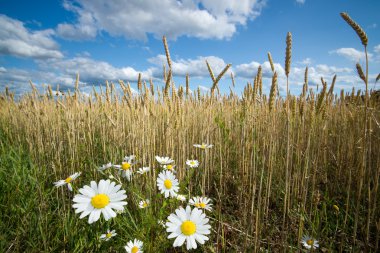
48	42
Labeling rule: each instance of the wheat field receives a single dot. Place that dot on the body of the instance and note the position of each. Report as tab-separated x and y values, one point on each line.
280	167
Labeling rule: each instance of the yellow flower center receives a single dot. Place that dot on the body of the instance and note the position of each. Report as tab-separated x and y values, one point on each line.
109	235
168	184
202	205
68	180
197	205
310	242
188	227
203	146
135	249
192	163
100	200
145	204
125	166
169	167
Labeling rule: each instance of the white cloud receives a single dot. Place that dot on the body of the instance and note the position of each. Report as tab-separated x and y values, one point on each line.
93	71
17	40
376	49
136	19
2	69
194	67
204	88
300	1
306	61
85	28
249	70
351	54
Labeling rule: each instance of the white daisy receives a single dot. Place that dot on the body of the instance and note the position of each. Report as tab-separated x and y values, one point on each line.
109	235
67	181
164	160
105	166
126	167
167	183
181	197
143	170
309	242
169	167
203	146
192	163
201	202
99	198
134	246
189	225
129	158
144	203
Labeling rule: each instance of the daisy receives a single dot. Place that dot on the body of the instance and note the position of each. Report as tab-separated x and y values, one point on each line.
203	146
164	160
201	202
144	203
105	166
167	183
134	246
129	158
189	225
108	236
169	167
181	197
309	242
99	198
143	170
126	167
192	163
67	181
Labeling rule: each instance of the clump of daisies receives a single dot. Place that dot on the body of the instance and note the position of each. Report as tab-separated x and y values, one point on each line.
309	242
134	246
101	198
108	235
167	183
67	181
201	203
190	225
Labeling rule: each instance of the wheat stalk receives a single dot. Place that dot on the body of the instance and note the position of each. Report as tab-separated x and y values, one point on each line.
359	31
272	94
271	61
360	72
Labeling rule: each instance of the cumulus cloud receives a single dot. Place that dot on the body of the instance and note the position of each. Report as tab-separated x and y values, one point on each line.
351	54
300	1
92	70
204	88
85	28
194	67
136	19
249	70
376	49
17	40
